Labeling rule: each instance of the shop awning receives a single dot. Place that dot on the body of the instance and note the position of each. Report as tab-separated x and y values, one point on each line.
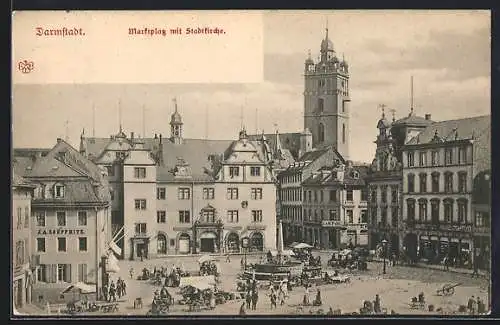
80	287
302	246
286	252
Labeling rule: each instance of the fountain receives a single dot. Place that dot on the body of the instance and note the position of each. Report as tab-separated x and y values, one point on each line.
279	268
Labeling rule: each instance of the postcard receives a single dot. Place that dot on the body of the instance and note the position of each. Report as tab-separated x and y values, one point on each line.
251	163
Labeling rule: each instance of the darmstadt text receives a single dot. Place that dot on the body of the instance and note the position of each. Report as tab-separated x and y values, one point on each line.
176	31
63	32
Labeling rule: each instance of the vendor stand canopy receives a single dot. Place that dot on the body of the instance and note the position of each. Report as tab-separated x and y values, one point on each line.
286	252
198	282
206	258
302	246
79	287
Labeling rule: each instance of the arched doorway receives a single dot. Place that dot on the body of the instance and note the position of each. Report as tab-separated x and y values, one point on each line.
162	244
394	244
257	242
184	243
410	243
208	242
233	242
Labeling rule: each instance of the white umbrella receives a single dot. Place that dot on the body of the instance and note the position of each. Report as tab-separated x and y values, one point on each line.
302	245
206	258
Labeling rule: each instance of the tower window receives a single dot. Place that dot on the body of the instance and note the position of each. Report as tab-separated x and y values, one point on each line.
343	133
321	132
321	104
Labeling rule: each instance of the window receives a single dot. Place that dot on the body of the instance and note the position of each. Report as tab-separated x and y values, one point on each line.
19	218
374	194
310	194
394	216
462	182
234	171
20	252
343	133
61	244
110	170
64	272
140	229
140	204
59	191
349	195
462	155
232	216
208	193
111	194
161	216
394	194
257	215
208	216
140	172
410	206
183	193
321	133
333	215
184	216
364	194
411	183
435	211
448	211
172	242
423	159
448	182
364	216
232	193
448	156
61	219
482	219
383	193
411	159
333	195
256	194
82	272
315	196
422	210
350	216
26	217
462	211
321	102
383	216
82	218
161	193
41	273
435	182
254	171
423	183
320	195
82	244
435	158
40	245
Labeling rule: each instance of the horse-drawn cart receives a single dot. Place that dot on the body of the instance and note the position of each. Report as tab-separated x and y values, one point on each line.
447	289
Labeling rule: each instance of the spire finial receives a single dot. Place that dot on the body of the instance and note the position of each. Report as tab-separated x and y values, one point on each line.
382	106
175	103
411	95
393	111
120	114
326	28
309	54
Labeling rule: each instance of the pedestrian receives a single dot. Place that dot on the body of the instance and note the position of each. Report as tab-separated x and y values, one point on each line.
317	301
105	292
394	259
249	298
330	311
119	288
473	306
242	310
476	267
124	288
305	300
281	296
212	300
273	298
480	306
142	254
445	263
242	263
469	304
255	298
131	272
112	292
376	304
228	259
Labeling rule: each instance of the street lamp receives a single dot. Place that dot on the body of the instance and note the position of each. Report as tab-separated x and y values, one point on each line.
244	245
384	245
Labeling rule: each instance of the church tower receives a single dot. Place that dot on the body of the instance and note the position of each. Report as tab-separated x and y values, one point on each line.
176	125
326	99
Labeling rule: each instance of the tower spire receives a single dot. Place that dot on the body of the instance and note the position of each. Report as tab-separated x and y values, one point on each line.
326	28
175	103
393	111
411	95
93	120
143	121
120	115
382	106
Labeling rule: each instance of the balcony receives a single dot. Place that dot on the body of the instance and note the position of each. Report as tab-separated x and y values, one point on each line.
210	223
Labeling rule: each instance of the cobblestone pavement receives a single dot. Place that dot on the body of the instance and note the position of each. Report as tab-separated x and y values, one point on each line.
395	288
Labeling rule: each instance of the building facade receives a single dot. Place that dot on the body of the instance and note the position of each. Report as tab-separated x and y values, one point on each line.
181	196
385	179
70	215
21	241
481	209
439	167
326	99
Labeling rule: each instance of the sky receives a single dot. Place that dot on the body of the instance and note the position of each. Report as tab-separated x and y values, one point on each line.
446	52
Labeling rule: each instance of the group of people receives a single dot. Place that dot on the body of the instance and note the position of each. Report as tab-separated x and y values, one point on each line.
208	268
161	300
110	292
251	296
306	300
476	306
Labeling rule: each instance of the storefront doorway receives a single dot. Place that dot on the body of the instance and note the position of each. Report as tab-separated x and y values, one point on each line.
141	249
18	293
208	242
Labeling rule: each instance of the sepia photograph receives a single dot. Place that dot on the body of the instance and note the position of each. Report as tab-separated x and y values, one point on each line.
251	163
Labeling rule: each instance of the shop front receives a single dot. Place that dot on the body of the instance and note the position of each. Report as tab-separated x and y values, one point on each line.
140	247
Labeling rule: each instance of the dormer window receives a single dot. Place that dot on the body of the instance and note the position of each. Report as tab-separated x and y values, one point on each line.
355	175
59	191
234	171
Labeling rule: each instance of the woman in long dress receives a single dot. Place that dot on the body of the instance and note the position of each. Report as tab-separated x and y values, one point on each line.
306	301
212	300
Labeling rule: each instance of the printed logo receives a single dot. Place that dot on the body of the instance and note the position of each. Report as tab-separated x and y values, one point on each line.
26	66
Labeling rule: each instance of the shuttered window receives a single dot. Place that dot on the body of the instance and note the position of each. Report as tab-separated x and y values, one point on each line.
82	273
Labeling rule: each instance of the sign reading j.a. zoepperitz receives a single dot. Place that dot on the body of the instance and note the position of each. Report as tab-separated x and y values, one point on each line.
61	231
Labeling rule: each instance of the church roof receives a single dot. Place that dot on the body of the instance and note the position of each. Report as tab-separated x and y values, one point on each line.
412	120
289	142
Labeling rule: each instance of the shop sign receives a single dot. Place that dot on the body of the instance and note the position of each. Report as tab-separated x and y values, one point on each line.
61	231
464	228
330	223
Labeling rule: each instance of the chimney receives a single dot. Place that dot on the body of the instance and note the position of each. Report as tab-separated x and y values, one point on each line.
428	117
160	138
132	135
59	140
